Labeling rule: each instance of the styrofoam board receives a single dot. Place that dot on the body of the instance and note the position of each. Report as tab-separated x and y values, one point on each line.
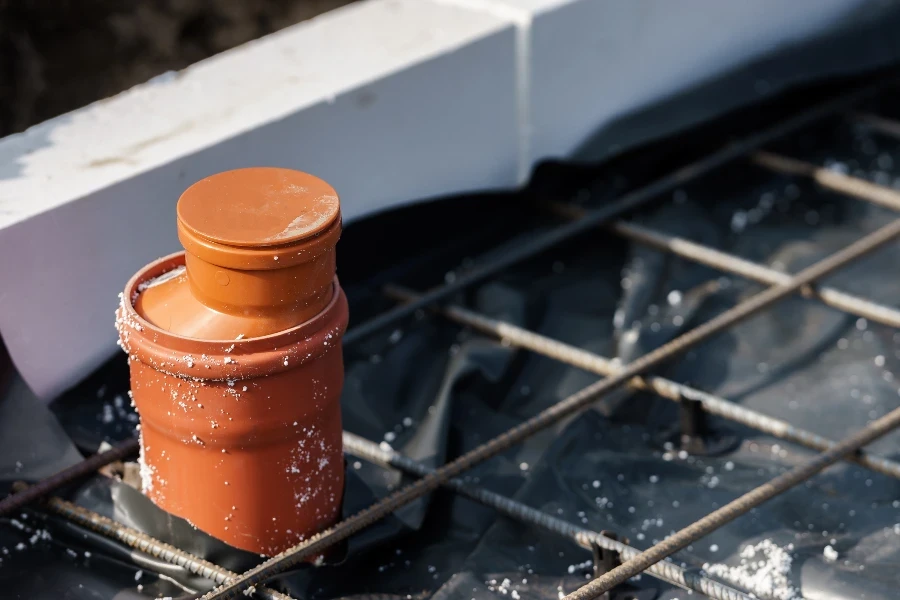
388	100
588	62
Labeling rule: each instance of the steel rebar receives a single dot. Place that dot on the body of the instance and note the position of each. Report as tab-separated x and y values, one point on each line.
729	263
362	448
831	180
667	571
628	202
571	405
736	508
145	543
666	388
889	127
77	471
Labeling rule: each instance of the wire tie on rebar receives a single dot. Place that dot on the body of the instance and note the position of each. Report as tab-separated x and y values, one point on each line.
605	560
696	437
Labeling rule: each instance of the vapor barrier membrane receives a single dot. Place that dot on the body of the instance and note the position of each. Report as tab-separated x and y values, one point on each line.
434	390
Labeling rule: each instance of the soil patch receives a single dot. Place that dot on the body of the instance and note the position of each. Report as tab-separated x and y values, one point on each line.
60	55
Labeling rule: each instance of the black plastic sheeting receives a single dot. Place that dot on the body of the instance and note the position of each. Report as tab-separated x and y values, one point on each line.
435	390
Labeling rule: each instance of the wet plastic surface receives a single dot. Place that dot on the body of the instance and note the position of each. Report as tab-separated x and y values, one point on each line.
259	256
434	391
234	349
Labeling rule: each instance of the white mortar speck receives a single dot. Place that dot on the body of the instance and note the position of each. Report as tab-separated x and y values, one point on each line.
765	570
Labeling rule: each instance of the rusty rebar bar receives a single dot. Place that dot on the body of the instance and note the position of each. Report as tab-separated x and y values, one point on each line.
830	180
626	203
87	467
666	571
569	406
729	263
363	448
736	508
889	127
143	542
666	388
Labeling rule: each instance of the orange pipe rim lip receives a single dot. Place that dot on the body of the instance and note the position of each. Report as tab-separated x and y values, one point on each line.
144	329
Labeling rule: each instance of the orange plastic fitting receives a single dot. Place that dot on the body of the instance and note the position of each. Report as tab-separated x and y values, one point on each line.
234	348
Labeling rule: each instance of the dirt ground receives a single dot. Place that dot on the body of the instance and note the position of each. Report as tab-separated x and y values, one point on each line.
59	55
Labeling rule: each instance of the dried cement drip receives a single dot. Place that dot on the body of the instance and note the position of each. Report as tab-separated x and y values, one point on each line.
146	471
765	570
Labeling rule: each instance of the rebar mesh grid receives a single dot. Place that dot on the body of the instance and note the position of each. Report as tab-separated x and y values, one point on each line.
778	291
141	541
782	285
